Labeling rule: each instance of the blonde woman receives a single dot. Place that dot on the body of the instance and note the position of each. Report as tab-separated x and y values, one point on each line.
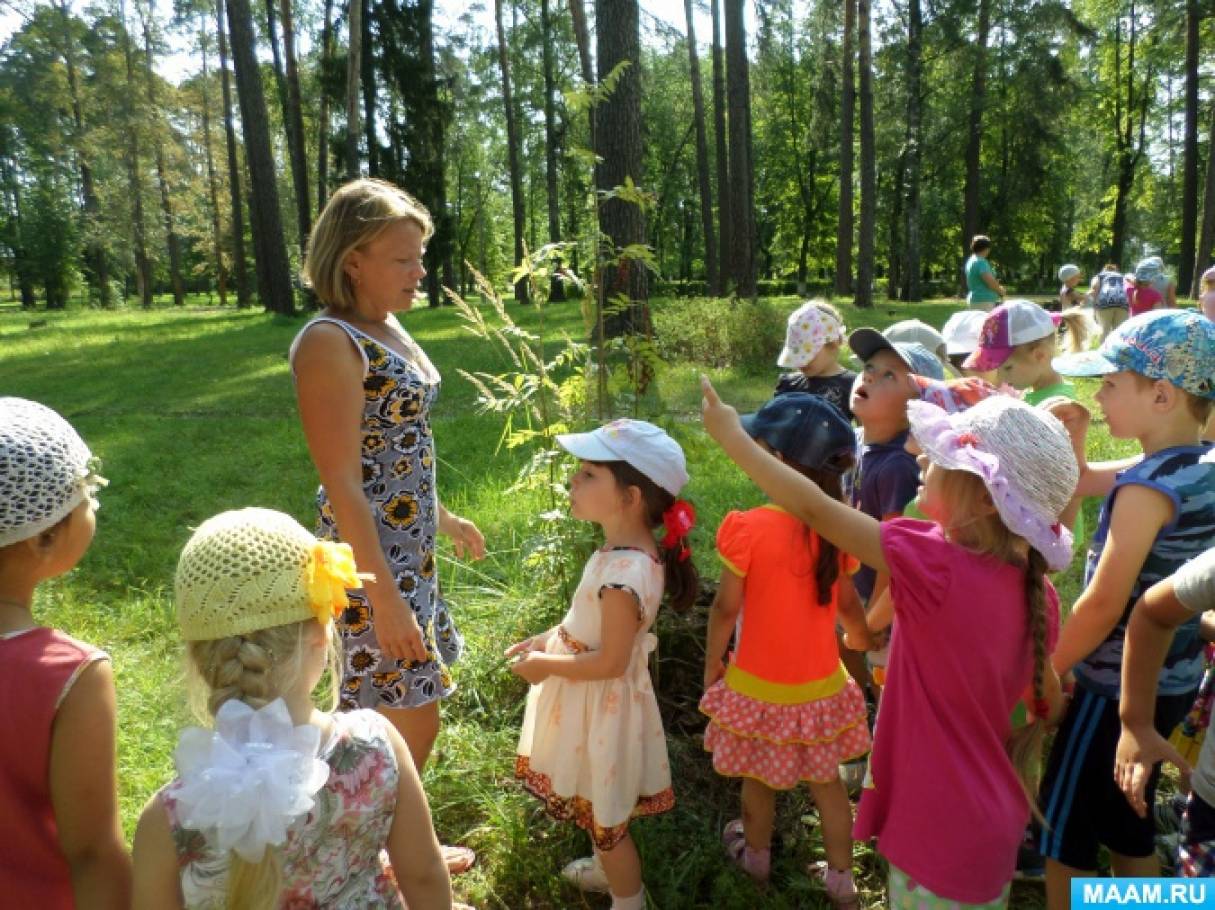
365	389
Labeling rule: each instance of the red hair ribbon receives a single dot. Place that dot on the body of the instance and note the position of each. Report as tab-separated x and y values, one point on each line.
679	519
1041	709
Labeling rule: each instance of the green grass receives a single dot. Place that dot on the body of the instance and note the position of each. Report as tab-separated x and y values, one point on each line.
192	412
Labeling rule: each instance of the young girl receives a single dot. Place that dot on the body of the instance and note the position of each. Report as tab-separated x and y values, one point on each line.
60	840
1206	300
281	804
592	745
813	337
975	618
784	710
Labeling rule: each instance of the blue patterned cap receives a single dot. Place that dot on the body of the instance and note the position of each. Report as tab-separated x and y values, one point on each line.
1175	345
865	342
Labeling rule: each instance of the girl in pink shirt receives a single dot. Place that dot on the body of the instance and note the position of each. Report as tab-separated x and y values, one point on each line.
974	626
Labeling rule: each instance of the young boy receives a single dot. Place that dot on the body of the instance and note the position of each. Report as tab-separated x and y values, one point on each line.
1070	276
813	337
1158	383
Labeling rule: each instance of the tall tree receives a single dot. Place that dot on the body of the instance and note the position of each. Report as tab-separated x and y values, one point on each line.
1206	235
354	70
269	249
557	286
217	237
1189	180
143	265
618	146
368	84
1130	148
518	211
843	235
725	220
322	128
293	117
868	222
974	131
162	177
742	173
915	68
239	263
702	158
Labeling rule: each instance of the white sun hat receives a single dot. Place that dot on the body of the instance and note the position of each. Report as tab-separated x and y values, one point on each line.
637	442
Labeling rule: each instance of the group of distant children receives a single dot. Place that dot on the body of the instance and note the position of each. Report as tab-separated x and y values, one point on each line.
924	538
1116	297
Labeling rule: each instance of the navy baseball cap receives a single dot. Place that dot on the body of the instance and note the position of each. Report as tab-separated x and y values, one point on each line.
806	429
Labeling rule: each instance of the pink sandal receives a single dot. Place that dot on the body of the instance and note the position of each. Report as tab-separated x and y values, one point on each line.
756	863
839	885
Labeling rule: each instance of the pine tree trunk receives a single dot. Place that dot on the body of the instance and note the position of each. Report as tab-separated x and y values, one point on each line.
162	177
702	158
556	286
725	221
1206	235
1129	151
915	67
367	61
742	206
1189	193
143	266
618	138
974	134
440	248
512	143
322	120
239	263
354	70
269	250
843	234
276	55
864	259
293	117
221	272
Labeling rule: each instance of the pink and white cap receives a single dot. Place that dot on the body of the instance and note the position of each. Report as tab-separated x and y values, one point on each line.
1012	323
809	329
1022	454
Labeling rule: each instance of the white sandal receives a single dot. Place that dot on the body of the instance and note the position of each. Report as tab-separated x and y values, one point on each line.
586	874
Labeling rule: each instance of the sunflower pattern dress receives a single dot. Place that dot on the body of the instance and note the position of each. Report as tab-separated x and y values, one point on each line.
398	457
594	751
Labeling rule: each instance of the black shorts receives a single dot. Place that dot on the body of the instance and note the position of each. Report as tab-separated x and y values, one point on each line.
1080	800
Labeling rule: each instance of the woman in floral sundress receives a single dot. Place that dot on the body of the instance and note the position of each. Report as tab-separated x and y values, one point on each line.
365	389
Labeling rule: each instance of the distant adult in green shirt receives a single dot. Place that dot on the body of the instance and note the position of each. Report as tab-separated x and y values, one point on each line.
983	291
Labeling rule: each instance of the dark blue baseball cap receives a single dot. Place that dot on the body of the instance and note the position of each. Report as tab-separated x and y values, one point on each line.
805	429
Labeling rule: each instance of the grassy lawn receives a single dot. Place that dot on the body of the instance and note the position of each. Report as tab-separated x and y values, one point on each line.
192	412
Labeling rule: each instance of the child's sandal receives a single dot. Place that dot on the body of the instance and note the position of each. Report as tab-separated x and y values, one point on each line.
840	887
756	863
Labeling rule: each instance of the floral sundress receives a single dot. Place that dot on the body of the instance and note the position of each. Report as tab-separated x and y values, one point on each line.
334	857
398	457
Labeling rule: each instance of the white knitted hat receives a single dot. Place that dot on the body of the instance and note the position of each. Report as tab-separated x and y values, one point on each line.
253	569
45	469
1022	454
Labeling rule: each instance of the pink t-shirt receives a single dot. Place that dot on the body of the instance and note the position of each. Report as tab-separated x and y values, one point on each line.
1206	303
1142	299
946	805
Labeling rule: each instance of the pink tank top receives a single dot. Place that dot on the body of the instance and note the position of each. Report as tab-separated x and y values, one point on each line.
37	669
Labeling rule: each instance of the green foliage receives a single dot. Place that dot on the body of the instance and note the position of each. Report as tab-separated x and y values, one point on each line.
720	332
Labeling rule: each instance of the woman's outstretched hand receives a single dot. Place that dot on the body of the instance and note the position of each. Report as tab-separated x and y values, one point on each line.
465	536
719	418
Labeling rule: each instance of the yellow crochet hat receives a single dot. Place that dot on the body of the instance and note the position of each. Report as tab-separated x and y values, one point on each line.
253	569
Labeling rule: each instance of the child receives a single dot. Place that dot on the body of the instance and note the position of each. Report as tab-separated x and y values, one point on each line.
1070	276
1206	301
784	710
920	332
1164	607
592	745
1108	291
1158	381
60	840
973	616
812	348
282	804
1018	341
1141	293
961	333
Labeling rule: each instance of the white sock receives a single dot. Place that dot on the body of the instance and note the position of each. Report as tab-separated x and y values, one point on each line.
636	902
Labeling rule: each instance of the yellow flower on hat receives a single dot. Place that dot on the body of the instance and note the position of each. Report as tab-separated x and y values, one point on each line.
330	572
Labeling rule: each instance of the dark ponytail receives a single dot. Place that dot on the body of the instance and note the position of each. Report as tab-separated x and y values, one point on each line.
682	582
830	478
1025	744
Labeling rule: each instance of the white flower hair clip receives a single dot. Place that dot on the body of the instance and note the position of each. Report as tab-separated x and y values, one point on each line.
245	783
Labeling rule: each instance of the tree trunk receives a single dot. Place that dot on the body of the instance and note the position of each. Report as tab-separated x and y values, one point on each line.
843	233
293	117
369	94
1206	236
582	39
322	123
556	286
221	272
974	134
915	66
276	55
618	138
742	177
725	221
238	218
143	266
512	144
354	69
162	177
96	259
1128	151
1189	192
864	259
702	158
269	250
440	247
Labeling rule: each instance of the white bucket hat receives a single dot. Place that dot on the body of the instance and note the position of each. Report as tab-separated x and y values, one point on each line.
1022	454
636	442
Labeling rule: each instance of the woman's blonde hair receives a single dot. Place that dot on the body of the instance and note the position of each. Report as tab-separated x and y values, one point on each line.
256	668
354	216
981	530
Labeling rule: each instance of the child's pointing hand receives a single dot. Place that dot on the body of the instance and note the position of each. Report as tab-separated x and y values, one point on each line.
719	418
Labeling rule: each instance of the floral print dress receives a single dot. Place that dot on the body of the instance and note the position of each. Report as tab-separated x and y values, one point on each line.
334	857
399	482
594	751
